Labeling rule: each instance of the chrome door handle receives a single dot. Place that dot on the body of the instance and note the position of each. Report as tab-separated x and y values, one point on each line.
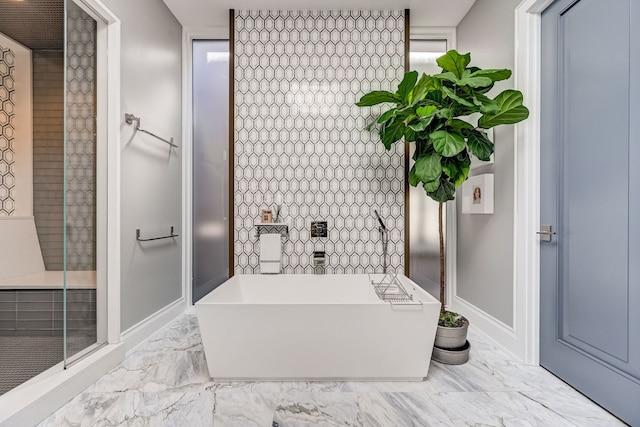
546	232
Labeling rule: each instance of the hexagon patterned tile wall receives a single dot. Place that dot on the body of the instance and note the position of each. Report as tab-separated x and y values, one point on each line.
7	153
300	139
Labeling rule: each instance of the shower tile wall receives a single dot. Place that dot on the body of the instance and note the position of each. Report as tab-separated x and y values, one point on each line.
48	154
7	153
81	139
300	140
39	312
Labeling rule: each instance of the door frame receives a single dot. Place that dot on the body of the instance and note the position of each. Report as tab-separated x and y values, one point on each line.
528	21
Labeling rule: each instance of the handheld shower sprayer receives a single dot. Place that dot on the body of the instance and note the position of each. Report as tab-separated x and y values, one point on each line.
380	220
384	238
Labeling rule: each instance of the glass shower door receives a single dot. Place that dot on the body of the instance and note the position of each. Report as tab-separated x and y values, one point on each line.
80	227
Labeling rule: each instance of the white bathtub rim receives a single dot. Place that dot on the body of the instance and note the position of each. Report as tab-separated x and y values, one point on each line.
422	297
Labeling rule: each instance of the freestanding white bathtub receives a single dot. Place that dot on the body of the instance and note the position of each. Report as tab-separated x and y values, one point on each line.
315	327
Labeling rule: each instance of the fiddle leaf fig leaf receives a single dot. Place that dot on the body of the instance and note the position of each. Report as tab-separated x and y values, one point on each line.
428	167
456	170
448	76
425	111
378	97
391	133
463	176
409	134
511	110
452	94
495	75
480	146
447	144
454	62
445	191
421	88
475	82
433	97
387	115
445	113
486	104
413	179
458	125
406	85
431	185
422	124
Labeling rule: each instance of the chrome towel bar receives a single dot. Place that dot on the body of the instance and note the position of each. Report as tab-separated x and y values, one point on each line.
130	119
140	239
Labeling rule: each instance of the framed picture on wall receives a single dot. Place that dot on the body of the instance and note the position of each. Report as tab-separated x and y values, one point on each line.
477	194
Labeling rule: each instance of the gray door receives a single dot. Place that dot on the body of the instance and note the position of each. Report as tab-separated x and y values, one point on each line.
590	195
210	165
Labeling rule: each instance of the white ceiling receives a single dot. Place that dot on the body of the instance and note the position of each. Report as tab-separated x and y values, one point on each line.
215	13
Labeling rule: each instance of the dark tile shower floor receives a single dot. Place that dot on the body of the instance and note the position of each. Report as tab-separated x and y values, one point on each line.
22	358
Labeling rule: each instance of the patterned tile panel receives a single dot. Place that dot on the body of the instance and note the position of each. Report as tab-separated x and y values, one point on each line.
7	129
300	140
81	139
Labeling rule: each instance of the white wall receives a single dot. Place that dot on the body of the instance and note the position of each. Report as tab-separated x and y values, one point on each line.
485	242
151	171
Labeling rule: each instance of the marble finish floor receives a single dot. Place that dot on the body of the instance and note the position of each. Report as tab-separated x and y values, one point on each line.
166	383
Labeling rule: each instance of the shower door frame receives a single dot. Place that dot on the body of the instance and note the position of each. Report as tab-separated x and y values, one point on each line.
107	172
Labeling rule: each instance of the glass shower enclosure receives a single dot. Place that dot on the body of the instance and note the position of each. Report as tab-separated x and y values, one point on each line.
49	297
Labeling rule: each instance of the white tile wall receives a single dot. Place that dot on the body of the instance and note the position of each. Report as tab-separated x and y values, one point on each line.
300	139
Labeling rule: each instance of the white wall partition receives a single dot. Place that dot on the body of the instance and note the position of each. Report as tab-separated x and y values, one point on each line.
151	171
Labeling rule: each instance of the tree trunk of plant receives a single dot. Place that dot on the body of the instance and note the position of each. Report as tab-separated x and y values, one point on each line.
441	232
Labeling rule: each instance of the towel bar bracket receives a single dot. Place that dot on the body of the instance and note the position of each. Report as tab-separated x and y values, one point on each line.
130	119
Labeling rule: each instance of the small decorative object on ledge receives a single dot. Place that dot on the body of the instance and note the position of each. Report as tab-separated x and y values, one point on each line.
266	217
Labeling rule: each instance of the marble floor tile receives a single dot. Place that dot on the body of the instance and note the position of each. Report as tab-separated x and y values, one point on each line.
402	410
137	409
166	383
318	409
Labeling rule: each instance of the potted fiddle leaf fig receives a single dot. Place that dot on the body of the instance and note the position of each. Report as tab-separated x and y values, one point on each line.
435	112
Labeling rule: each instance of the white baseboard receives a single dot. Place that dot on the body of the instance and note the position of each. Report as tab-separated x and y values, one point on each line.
495	329
33	401
137	335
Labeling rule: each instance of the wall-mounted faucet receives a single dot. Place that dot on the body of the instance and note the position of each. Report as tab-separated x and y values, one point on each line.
384	238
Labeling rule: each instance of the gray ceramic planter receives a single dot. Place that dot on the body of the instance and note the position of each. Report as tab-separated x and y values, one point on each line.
449	338
456	356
